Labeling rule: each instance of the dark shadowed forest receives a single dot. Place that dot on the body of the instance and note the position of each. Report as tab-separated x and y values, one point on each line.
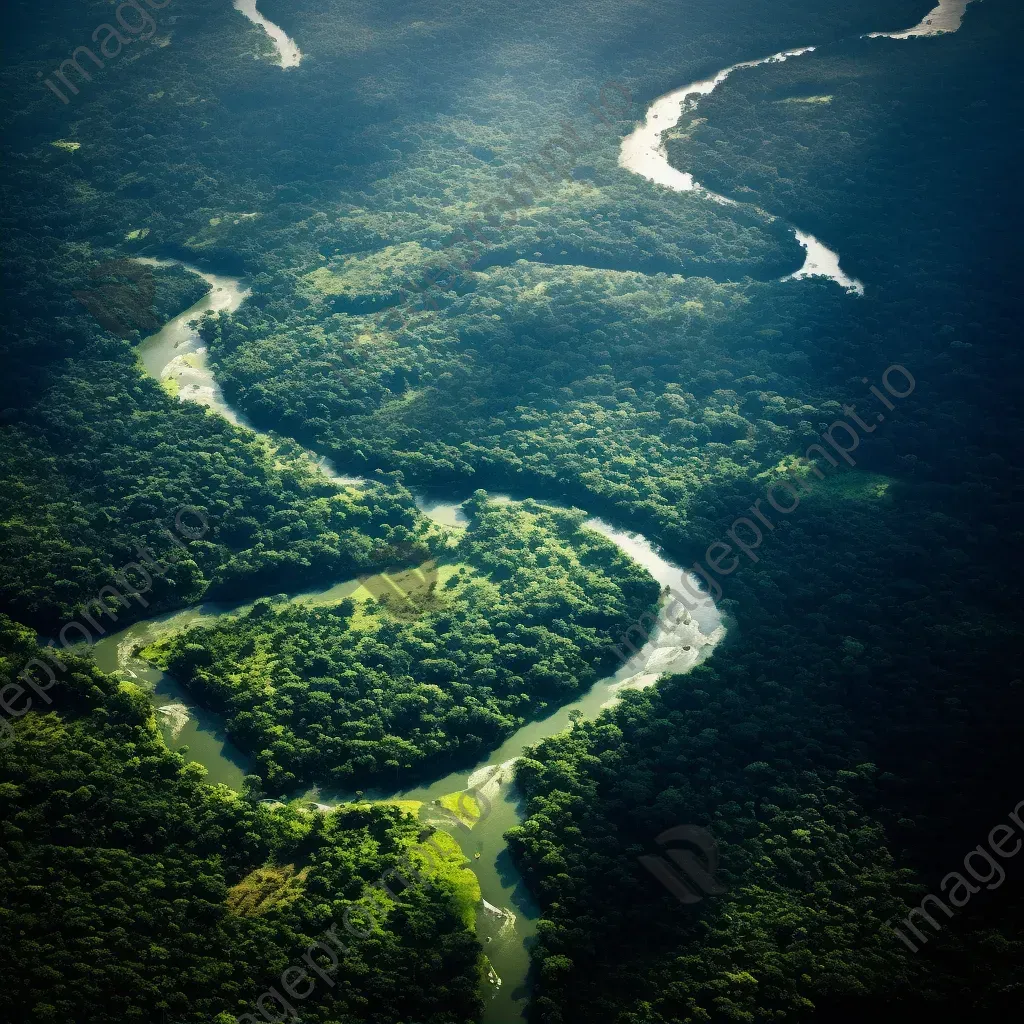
451	291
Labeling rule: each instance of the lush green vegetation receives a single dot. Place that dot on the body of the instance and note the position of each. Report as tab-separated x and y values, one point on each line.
134	891
193	182
98	460
521	613
73	520
808	881
438	296
881	627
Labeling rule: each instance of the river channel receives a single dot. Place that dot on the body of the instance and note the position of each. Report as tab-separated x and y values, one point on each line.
507	915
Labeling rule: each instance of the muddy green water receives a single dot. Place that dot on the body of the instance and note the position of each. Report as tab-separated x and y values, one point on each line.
507	916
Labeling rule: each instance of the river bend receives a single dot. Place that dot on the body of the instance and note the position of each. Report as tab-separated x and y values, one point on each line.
506	920
176	355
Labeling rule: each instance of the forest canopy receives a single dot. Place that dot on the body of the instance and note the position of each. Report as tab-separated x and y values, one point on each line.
453	283
520	614
135	889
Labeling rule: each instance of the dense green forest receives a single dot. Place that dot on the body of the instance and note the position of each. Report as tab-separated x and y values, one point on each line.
134	891
877	661
522	611
423	173
453	283
100	460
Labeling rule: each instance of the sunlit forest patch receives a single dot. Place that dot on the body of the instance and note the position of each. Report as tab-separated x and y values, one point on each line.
858	486
523	616
267	888
438	299
210	878
447	863
378	275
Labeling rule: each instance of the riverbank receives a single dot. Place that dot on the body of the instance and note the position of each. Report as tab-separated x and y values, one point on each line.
288	52
177	356
506	939
643	151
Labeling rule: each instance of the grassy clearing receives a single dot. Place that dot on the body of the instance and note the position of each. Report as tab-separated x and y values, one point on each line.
806	99
446	862
838	484
464	806
855	485
411	807
265	889
373	275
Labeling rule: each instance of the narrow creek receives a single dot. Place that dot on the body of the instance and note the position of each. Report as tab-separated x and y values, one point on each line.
507	916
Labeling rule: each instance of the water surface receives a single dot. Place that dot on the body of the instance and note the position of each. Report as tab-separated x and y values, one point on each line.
643	152
680	638
177	352
287	49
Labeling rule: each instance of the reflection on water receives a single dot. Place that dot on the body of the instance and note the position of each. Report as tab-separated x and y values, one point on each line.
643	152
177	353
182	723
822	262
946	17
287	49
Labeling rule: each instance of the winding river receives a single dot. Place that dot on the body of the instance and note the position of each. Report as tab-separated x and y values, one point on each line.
643	151
507	915
287	49
177	356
